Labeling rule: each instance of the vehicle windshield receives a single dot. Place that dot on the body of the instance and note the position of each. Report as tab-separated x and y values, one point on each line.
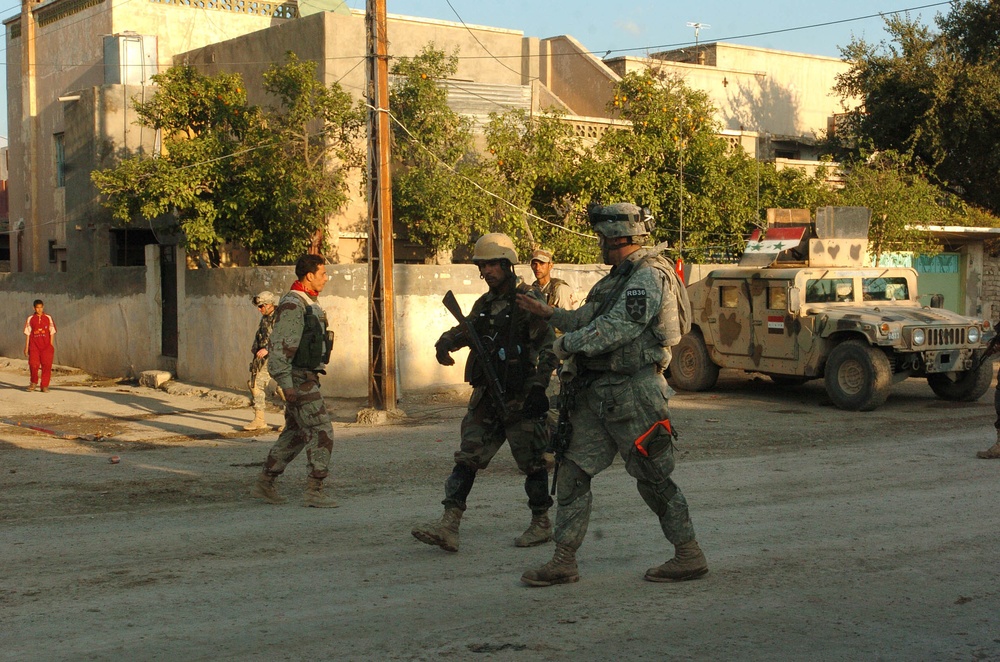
885	289
827	290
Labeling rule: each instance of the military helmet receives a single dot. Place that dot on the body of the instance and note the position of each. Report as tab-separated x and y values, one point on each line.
494	246
622	219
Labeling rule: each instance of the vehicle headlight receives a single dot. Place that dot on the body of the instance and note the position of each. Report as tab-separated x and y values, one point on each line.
974	334
918	337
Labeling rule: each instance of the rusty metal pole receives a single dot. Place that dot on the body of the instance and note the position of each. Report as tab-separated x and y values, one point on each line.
29	134
381	313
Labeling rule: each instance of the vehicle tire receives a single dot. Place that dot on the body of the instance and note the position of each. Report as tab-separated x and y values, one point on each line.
858	377
969	386
788	380
691	369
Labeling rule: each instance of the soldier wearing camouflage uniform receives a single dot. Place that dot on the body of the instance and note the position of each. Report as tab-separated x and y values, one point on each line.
556	291
616	347
299	350
259	376
519	346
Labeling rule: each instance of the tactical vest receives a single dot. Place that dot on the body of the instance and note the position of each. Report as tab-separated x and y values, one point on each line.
505	338
316	343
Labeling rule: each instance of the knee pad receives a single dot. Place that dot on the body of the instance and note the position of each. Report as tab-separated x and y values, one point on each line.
657	495
572	483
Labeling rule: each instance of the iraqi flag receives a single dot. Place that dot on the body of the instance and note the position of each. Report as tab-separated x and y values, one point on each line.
763	250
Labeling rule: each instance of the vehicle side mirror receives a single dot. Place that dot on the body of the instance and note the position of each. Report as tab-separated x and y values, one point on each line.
793	300
937	301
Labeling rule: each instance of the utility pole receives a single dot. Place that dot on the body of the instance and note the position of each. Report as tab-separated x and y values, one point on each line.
381	311
29	133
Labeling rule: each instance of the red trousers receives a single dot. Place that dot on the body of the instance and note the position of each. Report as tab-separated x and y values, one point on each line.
40	357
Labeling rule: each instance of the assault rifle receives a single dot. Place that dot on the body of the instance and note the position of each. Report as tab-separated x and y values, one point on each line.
255	365
493	385
992	348
564	428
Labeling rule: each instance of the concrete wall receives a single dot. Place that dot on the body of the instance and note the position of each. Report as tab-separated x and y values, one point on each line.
581	81
107	322
110	325
217	299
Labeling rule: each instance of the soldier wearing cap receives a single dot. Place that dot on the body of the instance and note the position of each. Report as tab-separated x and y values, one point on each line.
615	348
556	291
259	376
519	348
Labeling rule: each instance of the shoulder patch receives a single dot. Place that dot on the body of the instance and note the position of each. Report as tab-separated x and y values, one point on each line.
635	303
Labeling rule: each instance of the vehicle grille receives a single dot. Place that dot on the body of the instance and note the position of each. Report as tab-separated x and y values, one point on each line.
948	335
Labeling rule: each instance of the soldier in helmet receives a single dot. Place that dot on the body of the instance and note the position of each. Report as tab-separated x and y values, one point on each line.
519	348
259	376
615	348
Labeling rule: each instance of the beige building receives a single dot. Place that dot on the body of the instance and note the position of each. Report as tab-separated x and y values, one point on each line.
69	99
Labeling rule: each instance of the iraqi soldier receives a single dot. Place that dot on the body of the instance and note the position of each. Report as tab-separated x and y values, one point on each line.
518	346
557	292
259	376
616	347
298	353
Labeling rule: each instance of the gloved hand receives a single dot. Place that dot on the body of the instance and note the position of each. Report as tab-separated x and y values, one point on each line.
291	396
559	350
536	403
443	351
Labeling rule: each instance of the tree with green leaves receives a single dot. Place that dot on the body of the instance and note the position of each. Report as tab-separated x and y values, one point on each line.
934	97
435	162
234	173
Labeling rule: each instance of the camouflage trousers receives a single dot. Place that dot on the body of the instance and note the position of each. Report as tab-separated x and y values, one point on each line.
483	433
611	413
307	426
258	387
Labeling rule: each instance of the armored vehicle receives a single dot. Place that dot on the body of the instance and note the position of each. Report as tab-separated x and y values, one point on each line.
860	329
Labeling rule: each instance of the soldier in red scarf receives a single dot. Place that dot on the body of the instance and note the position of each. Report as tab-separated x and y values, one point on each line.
39	345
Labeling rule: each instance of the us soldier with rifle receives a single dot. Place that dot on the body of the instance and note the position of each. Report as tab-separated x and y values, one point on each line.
615	349
509	366
259	376
993	452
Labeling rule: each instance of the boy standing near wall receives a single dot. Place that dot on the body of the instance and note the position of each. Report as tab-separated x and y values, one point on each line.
39	345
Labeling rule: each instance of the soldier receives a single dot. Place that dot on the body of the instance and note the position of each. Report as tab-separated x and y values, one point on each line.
297	355
616	347
259	376
519	348
557	292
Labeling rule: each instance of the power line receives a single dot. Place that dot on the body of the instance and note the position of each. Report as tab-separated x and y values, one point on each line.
602	54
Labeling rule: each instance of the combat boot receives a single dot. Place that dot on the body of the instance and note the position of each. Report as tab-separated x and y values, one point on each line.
688	563
538	532
991	453
314	497
264	489
560	570
258	422
443	533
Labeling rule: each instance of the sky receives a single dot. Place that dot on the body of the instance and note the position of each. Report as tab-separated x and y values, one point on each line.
632	27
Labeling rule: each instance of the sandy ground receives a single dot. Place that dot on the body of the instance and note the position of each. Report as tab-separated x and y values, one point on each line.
830	536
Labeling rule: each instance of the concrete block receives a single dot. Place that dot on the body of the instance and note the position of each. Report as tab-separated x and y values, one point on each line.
154	378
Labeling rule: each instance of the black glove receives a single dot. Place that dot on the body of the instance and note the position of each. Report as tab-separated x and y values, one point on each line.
537	403
443	351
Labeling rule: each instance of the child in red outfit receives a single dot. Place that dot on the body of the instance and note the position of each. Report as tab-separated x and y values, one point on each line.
39	345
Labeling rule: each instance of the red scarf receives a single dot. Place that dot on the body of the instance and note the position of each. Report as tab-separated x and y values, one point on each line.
299	287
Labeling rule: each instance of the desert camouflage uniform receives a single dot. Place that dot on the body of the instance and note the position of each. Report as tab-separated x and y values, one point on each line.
621	395
307	422
260	378
526	341
557	293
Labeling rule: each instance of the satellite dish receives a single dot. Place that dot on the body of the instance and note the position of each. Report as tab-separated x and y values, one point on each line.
310	7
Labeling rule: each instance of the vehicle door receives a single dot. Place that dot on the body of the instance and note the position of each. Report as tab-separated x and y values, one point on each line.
731	325
774	325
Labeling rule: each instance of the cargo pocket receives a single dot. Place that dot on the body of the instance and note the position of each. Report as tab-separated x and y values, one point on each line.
651	456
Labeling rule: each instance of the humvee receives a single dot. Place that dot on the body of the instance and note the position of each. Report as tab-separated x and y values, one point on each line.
860	329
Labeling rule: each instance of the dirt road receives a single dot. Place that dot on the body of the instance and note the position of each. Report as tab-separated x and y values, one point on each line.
830	536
